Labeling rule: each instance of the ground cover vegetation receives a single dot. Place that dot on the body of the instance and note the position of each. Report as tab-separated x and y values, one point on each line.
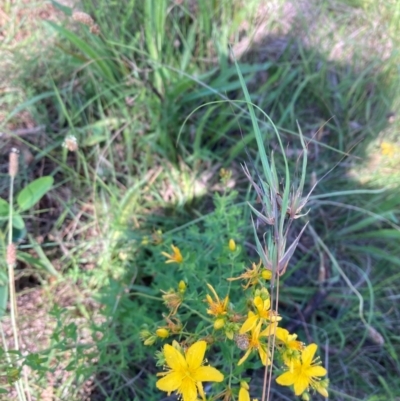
199	198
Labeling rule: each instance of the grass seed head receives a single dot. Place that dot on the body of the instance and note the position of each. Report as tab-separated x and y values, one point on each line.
83	18
13	162
11	254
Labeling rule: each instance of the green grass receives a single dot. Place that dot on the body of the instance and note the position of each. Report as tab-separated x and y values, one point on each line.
157	108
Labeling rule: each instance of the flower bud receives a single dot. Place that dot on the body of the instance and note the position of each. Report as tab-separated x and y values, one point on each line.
144	334
266	274
162	332
182	286
150	341
219	324
244	385
232	245
305	397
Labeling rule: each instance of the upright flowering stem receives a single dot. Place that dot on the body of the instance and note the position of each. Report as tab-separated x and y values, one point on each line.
11	259
13	169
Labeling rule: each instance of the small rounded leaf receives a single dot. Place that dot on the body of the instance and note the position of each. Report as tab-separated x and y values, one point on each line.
4	208
18	222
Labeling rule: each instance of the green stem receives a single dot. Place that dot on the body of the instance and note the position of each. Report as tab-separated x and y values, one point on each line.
197	313
11	282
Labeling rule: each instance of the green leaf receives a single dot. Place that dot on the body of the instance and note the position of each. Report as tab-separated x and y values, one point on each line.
18	234
66	10
100	60
33	192
18	222
4	208
40	263
3	299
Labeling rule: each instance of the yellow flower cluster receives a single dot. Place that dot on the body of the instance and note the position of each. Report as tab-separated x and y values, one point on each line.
255	331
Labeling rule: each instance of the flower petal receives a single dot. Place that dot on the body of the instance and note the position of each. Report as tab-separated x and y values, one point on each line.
207	374
244	395
170	382
258	303
188	389
308	354
249	323
282	334
244	357
316	371
200	389
271	329
286	379
174	359
195	354
301	384
263	355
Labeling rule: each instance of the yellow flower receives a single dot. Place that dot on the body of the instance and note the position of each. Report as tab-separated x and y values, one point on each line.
186	372
217	307
388	149
244	392
263	313
176	257
304	373
254	343
289	347
232	245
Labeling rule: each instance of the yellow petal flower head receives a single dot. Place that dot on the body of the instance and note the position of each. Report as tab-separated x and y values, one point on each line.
175	257
232	245
305	373
388	149
288	346
186	373
217	307
263	313
254	343
244	392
